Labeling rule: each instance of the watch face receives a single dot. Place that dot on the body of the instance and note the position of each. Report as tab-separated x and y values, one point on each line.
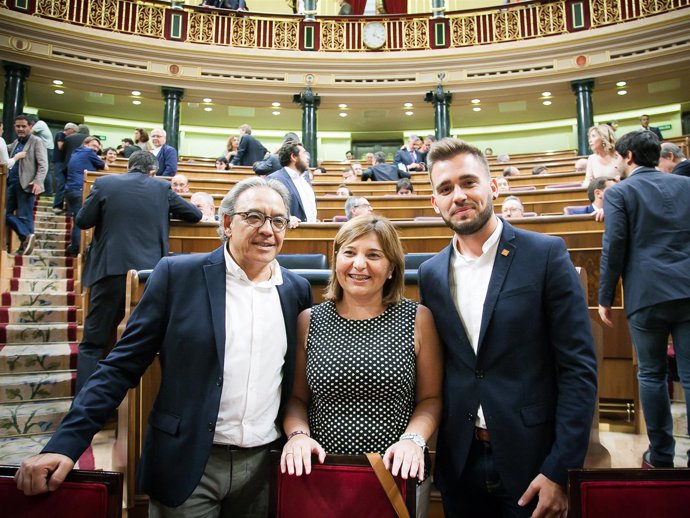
374	35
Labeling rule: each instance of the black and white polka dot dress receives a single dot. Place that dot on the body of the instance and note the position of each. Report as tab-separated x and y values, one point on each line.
362	378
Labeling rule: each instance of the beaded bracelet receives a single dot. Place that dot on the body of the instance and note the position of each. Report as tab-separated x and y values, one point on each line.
297	432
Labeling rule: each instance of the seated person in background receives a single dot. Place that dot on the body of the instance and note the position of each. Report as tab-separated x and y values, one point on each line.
393	405
231	147
369	159
595	193
424	150
603	161
110	155
672	160
503	185
179	184
349	156
540	169
166	154
404	187
581	166
271	163
357	168
221	163
357	206
349	175
511	170
503	158
512	208
204	202
488	152
383	172
613	124
343	190
128	147
409	158
320	170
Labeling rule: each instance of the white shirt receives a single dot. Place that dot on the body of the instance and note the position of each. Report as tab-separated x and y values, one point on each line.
306	194
255	347
155	150
4	155
469	282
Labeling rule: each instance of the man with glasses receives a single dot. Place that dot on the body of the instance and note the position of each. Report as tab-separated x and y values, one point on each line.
356	206
225	327
295	161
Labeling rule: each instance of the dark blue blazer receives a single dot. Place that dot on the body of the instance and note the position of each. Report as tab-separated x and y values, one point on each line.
249	151
383	173
535	370
647	240
584	209
167	161
296	207
181	318
402	156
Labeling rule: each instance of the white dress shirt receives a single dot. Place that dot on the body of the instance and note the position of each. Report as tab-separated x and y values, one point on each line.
469	282
255	347
306	194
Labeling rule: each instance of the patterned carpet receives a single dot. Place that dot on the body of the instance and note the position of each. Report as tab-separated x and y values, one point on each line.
39	333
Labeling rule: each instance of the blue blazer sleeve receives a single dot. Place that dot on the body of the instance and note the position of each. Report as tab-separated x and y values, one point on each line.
614	245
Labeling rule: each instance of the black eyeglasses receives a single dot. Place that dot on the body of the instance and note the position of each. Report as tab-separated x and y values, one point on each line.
257	219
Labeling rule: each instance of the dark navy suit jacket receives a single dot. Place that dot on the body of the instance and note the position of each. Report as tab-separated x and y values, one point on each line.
384	172
535	370
250	151
167	161
584	209
181	318
402	156
647	240
296	206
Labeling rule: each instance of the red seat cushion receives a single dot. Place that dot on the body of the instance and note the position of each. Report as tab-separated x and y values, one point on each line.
334	492
71	500
635	499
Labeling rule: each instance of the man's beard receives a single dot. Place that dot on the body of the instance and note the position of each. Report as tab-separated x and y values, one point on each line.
301	166
469	227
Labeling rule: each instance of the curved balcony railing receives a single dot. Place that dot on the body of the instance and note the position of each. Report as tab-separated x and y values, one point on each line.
343	34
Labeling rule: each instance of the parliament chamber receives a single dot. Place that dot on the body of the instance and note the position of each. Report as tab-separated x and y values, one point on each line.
524	79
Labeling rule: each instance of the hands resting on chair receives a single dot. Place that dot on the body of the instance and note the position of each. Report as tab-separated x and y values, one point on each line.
42	473
404	458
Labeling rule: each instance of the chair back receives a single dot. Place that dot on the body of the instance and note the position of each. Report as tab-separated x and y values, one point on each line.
303	261
629	493
414	261
84	494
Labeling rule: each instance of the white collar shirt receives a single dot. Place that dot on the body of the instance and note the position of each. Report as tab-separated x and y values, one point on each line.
255	348
155	150
306	194
469	282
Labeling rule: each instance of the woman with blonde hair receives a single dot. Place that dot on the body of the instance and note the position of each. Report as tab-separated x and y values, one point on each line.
368	371
231	147
603	161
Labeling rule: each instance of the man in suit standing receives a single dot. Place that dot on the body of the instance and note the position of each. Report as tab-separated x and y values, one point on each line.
295	161
25	182
382	172
225	327
647	243
250	150
410	158
166	155
130	214
520	369
644	126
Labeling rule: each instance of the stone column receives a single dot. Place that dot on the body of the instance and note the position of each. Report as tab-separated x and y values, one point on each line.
585	113
171	115
310	103
441	101
13	100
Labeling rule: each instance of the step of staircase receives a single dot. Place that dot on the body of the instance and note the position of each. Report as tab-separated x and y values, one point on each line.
32	358
39	386
28	315
35	260
41	285
32	418
16	299
42	272
37	333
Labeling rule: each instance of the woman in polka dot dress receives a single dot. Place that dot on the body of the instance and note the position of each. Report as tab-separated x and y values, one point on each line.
368	375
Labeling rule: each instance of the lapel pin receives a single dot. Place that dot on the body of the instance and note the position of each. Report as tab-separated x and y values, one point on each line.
505	252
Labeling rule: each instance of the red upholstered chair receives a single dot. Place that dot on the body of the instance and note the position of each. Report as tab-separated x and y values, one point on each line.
523	188
85	494
629	493
339	219
344	487
567	185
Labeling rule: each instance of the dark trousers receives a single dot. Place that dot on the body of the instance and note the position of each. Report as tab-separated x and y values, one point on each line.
73	199
60	179
20	208
650	328
480	492
106	311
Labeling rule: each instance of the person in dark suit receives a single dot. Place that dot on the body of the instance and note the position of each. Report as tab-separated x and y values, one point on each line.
167	155
647	243
409	158
383	172
520	370
644	126
595	193
226	369
130	216
672	160
295	161
250	150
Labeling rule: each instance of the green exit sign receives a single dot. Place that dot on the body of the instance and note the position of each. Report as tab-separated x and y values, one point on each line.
101	137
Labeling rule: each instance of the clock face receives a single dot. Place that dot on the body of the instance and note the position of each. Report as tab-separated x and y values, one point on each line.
374	35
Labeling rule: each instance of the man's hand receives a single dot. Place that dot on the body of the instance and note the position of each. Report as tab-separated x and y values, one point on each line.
598	215
42	473
553	502
605	315
294	222
35	188
19	155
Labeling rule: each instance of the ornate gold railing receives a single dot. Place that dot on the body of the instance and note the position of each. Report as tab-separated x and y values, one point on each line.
200	25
